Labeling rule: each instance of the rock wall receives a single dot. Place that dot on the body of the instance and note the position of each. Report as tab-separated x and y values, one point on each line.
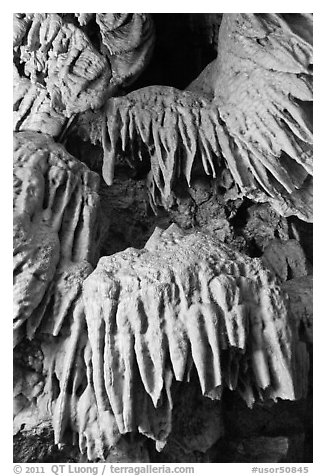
166	317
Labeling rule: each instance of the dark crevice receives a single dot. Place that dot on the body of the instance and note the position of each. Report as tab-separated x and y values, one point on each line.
239	220
178	56
290	274
92	30
55	387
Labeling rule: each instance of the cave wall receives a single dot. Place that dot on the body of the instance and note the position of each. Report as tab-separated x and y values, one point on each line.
279	432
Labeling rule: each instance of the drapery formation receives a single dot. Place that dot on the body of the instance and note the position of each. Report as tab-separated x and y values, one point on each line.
55	235
60	73
185	305
254	113
106	342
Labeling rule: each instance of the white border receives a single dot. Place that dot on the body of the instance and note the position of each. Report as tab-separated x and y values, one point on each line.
319	200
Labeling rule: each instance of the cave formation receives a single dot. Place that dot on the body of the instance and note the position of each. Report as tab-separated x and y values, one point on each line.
162	237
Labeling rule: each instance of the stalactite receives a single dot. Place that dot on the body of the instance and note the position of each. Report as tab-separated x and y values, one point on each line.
182	303
107	352
59	56
127	41
258	123
64	74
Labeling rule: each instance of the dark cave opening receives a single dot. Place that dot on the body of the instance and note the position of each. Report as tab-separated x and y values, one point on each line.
183	47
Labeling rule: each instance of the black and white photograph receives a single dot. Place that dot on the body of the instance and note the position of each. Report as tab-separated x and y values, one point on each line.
162	241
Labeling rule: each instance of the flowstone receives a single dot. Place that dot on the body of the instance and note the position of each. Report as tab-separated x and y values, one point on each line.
167	318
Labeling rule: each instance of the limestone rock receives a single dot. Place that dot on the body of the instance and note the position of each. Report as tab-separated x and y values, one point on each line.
126	215
282	418
109	358
129	450
84	18
168	125
64	73
59	55
37	446
55	242
53	189
197	422
265	449
182	303
127	40
285	259
300	293
60	389
32	108
262	225
263	90
55	207
259	122
36	256
303	233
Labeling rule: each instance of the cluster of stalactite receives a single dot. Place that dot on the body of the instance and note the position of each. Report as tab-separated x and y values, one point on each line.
145	319
100	345
251	108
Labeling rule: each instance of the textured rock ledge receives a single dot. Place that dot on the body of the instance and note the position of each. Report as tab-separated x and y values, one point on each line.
62	73
55	245
250	110
55	208
183	303
256	121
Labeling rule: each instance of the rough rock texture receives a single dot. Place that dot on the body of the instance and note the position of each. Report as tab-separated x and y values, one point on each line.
197	424
55	208
32	108
127	40
263	90
286	259
259	122
55	244
239	134
300	292
264	449
260	224
59	56
127	217
184	302
63	73
37	446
